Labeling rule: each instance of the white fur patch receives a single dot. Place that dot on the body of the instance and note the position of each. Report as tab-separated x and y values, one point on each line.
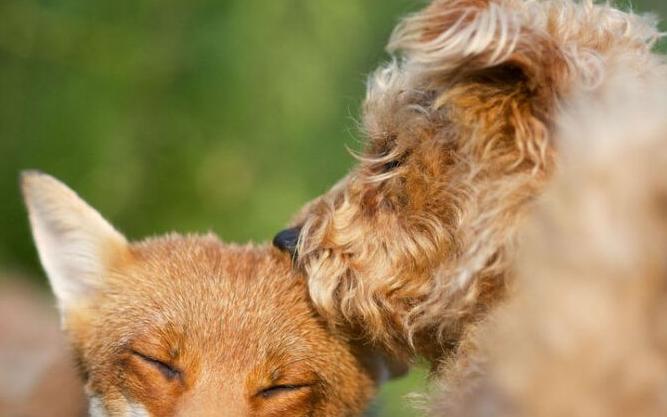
96	408
137	410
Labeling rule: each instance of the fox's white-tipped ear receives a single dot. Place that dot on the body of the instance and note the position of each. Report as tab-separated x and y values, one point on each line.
74	242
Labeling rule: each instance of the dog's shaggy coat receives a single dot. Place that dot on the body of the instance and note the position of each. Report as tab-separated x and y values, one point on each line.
417	241
583	334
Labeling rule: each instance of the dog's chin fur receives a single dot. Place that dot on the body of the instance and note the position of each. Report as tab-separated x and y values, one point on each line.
416	242
583	333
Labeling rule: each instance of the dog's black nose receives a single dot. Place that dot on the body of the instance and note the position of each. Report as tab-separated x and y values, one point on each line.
286	240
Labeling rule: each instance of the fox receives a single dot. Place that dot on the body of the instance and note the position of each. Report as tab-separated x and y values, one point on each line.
186	325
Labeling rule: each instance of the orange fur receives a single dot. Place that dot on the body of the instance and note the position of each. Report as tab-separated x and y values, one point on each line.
233	318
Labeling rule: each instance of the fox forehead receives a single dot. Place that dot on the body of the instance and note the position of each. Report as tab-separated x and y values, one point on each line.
196	291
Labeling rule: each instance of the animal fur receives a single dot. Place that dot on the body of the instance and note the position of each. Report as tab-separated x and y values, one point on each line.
584	332
416	244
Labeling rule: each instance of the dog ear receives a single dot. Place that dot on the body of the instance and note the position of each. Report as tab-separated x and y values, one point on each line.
484	66
287	240
75	244
450	38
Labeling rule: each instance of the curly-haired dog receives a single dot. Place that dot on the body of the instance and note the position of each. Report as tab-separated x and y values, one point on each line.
417	241
584	334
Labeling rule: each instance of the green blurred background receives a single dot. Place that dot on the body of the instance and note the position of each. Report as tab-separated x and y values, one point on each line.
196	115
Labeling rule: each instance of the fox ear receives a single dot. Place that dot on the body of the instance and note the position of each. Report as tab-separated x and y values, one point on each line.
75	244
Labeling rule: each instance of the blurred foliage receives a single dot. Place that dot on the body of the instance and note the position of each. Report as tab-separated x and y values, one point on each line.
198	115
223	115
189	116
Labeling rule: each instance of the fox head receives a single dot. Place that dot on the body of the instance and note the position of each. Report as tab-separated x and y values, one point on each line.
188	326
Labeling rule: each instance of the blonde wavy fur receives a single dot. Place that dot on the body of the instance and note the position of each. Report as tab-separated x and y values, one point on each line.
583	333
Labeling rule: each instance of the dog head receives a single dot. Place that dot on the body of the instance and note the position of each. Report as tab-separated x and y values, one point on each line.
415	242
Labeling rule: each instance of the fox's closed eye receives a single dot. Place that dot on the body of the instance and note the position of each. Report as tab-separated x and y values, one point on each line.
169	371
276	390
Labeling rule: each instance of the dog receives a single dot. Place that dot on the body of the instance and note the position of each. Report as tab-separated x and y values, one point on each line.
188	326
416	245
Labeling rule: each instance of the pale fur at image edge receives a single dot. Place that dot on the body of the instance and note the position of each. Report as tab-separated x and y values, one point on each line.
583	333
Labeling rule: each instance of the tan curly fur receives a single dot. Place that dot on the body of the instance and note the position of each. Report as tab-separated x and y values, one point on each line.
583	334
417	241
